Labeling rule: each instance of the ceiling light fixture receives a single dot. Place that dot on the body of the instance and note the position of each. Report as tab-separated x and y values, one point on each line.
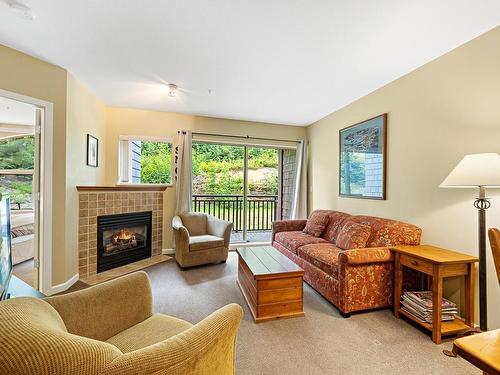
20	9
172	90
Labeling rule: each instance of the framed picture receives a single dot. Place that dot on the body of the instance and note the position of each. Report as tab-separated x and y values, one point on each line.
363	159
92	151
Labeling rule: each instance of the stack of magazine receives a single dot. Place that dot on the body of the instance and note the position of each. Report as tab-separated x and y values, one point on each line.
419	304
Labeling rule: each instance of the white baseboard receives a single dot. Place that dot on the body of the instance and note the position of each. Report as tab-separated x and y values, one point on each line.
168	251
62	287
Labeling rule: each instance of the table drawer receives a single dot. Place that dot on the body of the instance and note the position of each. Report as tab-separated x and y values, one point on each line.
416	264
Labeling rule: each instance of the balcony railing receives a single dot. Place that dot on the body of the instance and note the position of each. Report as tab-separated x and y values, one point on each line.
262	210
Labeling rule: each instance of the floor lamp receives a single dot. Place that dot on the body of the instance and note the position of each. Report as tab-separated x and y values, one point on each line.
478	171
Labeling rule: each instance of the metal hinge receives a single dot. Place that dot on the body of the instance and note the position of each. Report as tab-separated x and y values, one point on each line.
38	129
36	263
37	195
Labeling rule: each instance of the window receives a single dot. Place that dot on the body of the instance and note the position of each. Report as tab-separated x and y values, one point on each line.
145	160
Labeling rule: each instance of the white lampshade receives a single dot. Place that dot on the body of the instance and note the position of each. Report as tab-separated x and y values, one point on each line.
475	170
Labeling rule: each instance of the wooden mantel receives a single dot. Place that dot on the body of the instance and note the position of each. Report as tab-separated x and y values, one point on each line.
124	188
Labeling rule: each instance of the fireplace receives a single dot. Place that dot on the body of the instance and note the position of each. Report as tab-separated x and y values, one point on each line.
123	239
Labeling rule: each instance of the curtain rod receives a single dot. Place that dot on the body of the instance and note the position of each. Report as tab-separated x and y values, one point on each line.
242	137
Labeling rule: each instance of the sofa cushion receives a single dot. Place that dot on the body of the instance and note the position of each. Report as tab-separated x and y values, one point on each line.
353	235
153	330
205	242
386	232
195	222
295	239
336	219
316	223
322	255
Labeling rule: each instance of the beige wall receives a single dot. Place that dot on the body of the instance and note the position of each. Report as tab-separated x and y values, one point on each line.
122	121
437	114
76	112
85	115
26	75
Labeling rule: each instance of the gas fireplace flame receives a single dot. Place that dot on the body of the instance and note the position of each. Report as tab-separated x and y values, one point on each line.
123	236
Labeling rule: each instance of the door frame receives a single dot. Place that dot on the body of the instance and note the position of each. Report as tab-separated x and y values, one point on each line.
45	173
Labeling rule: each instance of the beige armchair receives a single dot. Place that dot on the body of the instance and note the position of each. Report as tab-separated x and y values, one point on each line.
200	239
110	329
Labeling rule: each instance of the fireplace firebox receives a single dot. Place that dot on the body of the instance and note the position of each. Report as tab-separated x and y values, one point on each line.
123	239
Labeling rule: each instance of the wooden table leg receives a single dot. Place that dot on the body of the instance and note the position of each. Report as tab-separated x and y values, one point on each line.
437	296
398	284
469	294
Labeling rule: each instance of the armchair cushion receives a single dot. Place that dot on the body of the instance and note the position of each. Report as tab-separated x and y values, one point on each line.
153	330
322	255
295	239
205	348
195	222
353	235
106	309
204	242
316	223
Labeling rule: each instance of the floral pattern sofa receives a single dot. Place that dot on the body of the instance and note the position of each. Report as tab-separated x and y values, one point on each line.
346	258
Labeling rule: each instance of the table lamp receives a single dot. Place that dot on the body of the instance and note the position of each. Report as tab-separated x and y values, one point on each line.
478	171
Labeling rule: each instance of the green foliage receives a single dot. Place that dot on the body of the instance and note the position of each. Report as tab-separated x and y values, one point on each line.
18	189
218	169
156	162
17	153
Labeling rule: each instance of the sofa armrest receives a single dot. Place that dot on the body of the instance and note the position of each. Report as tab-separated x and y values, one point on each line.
366	279
103	310
220	228
366	256
288	226
206	348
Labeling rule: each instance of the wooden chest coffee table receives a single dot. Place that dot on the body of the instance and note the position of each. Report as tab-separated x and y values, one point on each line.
270	282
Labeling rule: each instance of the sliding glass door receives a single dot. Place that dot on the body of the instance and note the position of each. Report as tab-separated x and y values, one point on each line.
218	183
262	192
241	184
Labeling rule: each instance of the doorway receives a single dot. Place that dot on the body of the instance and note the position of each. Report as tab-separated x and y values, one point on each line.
20	131
245	184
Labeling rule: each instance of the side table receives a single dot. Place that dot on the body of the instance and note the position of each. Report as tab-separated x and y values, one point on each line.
439	264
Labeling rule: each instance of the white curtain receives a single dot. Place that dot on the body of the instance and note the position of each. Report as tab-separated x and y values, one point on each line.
299	206
183	180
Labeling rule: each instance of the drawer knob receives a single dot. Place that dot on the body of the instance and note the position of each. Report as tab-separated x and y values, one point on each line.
414	263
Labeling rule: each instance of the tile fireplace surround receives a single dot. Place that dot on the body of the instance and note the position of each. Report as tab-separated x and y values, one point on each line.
96	201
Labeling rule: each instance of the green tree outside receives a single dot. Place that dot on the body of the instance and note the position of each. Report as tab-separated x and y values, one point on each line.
156	162
17	153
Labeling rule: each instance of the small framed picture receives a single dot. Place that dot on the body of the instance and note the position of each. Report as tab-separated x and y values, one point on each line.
92	151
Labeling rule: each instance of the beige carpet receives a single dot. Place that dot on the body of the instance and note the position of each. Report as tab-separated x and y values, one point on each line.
320	343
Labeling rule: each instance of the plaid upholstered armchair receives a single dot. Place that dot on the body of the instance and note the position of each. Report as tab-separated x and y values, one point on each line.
200	239
110	329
